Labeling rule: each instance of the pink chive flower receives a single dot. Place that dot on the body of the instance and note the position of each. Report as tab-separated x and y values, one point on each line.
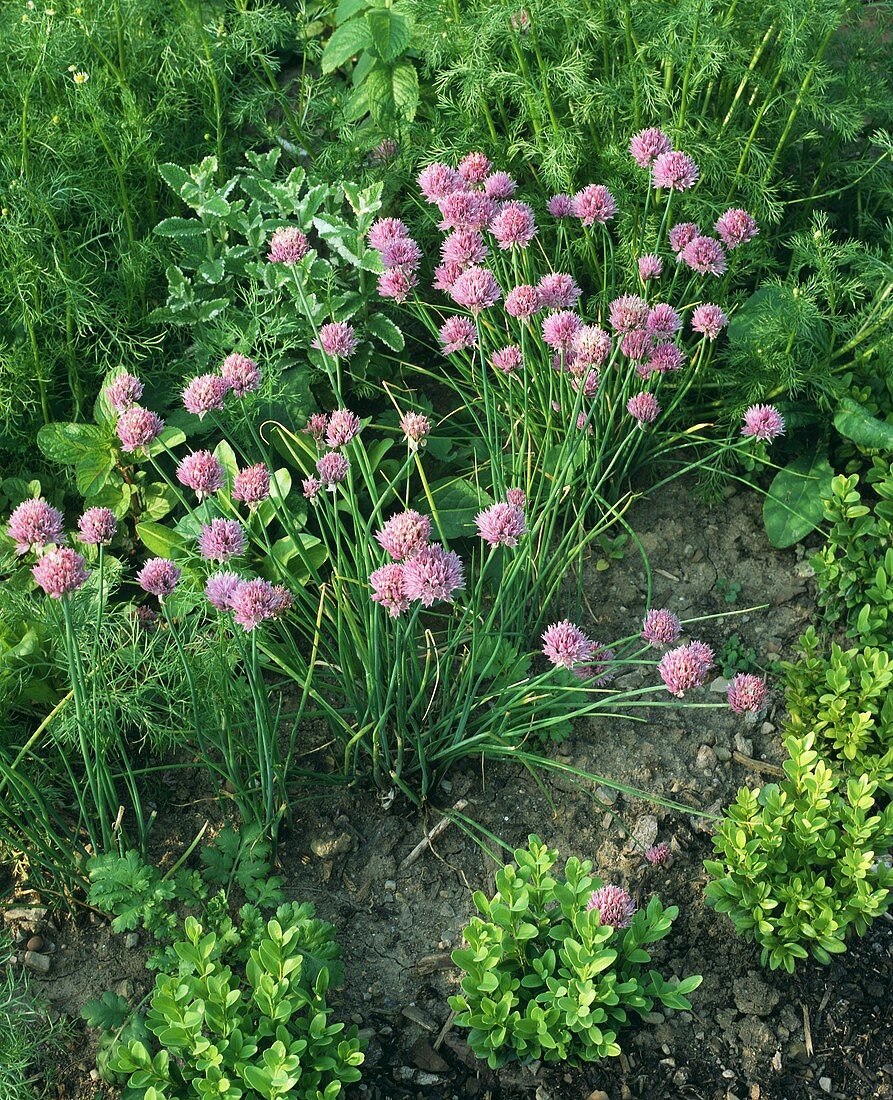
514	226
446	274
559	329
253	602
647	145
746	692
436	181
674	172
663	323
342	427
650	266
124	391
201	472
682	234
520	21
251	486
146	617
658	855
285	600
709	320
288	246
33	525
221	539
523	301
661	627
502	524
404	534
386	230
508	359
60	571
558	291
316	426
614	906
628	312
332	469
397	284
561	206
464	247
592	346
220	588
205	394
644	408
665	358
433	574
763	422
476	289
517	497
594	203
466	210
736	227
137	428
598	670
403	253
565	645
457	333
386	150
705	255
311	487
97	526
475	167
499	186
241	373
158	577
338	339
636	345
416	428
589	382
388	589
685	667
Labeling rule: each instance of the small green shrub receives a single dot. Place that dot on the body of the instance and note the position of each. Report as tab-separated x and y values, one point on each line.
543	978
801	862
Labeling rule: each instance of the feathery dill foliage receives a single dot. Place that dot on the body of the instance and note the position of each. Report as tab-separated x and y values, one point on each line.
769	97
93	96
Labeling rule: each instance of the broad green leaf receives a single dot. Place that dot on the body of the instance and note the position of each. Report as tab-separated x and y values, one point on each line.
180	227
348	40
92	471
161	540
858	425
392	91
174	176
347	8
406	90
386	331
793	506
70	444
456	503
389	31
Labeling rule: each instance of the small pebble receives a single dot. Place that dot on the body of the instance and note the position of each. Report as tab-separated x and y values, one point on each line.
825	1084
40	964
35	943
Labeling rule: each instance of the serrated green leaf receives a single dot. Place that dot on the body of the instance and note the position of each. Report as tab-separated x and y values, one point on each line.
180	227
348	40
386	331
389	31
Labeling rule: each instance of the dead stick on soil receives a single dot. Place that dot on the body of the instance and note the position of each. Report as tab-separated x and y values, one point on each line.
757	765
807	1030
443	1031
429	838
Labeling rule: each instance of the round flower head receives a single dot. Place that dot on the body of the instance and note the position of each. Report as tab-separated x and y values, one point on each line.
508	359
709	320
388	588
137	428
466	210
650	267
702	653
205	394
251	486
436	181
397	283
658	855
284	599
598	670
201	472
615	907
682	234
674	171
316	426
594	203
220	588
476	289
647	145
663	323
332	469
241	373
561	206
684	668
514	226
457	333
705	255
565	645
288	245
404	534
665	358
386	150
736	227
342	427
446	274
433	574
559	329
636	345
475	167
661	627
33	525
464	247
628	312
146	617
403	253
384	231
337	339
592	346
644	408
589	382
158	577
124	391
253	602
746	692
520	21
558	291
416	428
97	526
221	539
499	186
311	487
763	422
60	571
523	301
501	524
517	497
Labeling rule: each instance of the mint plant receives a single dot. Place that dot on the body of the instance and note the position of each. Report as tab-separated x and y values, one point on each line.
544	977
